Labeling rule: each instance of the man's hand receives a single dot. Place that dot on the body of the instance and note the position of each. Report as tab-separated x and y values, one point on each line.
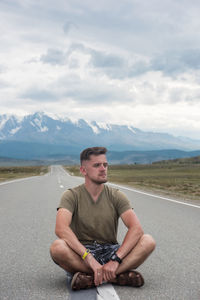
97	269
109	270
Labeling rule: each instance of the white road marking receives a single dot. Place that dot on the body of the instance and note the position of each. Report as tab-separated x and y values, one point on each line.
99	297
107	292
58	178
152	195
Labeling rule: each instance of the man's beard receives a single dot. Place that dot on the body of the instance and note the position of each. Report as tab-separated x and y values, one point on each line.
100	181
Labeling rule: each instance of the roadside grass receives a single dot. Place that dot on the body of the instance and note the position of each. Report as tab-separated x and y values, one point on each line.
9	173
178	179
73	170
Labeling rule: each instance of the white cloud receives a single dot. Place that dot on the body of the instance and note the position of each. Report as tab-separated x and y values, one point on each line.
54	57
133	62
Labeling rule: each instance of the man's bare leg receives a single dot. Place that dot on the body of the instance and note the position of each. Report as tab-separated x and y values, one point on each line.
66	258
125	273
138	255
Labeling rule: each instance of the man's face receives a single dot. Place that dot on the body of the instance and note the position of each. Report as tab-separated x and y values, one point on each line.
95	169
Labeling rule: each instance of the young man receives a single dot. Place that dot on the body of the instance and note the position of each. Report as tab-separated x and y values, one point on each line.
86	226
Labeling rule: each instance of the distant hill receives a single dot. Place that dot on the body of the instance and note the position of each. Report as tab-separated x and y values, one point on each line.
124	157
4	161
188	160
148	157
39	136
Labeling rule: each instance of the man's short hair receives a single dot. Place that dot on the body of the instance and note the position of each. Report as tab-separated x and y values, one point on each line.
85	154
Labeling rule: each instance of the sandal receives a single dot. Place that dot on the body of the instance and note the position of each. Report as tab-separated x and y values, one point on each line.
130	278
82	281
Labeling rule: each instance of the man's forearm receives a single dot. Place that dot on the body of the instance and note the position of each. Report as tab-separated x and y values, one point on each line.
131	238
72	241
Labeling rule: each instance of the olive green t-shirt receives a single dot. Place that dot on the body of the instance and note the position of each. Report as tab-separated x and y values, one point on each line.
95	221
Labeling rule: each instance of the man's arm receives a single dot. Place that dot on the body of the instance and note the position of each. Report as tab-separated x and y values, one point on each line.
64	232
133	234
131	238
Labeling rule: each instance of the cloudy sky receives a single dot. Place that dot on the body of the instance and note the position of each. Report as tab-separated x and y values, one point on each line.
133	62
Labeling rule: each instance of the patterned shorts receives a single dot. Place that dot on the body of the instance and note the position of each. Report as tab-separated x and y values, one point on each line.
102	252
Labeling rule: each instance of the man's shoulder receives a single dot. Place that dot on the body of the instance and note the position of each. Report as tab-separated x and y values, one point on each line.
115	193
118	199
69	198
74	190
112	191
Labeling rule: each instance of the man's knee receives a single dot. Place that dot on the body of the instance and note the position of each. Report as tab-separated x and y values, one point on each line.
57	248
148	242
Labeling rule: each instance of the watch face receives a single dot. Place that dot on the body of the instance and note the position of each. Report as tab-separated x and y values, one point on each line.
113	257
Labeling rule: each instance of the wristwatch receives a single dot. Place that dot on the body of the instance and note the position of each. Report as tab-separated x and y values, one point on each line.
114	257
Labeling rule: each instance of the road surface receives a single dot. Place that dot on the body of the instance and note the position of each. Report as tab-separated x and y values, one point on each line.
27	220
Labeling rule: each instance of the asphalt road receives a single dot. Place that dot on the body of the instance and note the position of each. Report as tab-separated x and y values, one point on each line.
27	220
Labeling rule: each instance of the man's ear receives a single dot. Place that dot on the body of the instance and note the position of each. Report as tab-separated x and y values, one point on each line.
83	170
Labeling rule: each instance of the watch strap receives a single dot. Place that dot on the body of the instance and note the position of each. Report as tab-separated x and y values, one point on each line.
115	257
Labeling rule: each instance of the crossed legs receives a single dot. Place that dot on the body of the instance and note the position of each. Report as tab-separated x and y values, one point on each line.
67	259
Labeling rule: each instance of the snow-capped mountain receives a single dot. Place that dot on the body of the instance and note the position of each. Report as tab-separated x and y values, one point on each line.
8	126
64	136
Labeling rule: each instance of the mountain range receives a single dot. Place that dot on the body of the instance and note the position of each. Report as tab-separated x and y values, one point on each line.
41	137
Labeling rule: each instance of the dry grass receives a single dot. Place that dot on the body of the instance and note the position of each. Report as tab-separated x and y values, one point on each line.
9	173
181	180
73	170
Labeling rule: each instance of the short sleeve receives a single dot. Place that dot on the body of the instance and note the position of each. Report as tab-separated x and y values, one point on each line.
122	202
67	201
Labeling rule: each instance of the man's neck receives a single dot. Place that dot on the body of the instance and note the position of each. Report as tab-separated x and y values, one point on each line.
94	189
